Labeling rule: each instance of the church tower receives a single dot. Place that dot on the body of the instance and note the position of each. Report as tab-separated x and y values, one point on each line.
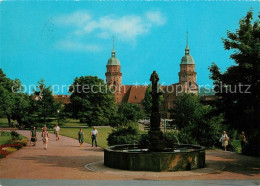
187	74
114	75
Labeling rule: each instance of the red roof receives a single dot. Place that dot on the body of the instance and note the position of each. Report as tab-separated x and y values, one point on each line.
137	94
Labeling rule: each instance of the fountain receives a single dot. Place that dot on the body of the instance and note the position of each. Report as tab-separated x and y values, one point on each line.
155	157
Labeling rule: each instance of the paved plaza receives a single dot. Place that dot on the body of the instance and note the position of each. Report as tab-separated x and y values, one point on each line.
66	163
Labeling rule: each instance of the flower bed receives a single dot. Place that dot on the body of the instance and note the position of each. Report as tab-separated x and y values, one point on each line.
12	146
9	148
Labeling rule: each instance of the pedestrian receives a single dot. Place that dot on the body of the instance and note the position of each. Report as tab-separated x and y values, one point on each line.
242	138
224	140
33	137
57	131
94	135
45	138
81	137
44	127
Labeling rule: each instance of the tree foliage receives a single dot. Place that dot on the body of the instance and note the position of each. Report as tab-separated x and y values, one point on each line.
127	113
91	101
14	104
147	101
195	121
239	86
46	106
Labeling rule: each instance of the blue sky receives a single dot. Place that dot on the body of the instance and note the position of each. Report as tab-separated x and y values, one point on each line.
58	41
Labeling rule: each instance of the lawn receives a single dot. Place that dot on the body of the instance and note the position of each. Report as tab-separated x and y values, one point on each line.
103	133
4	139
3	122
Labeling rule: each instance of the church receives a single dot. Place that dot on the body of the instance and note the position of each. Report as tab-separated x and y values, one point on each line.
135	94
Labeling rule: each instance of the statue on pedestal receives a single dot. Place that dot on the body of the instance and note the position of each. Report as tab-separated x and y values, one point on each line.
155	133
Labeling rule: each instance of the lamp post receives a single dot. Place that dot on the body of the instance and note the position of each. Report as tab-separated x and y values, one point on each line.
58	111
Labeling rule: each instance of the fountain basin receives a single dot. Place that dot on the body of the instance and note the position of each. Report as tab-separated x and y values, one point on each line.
133	157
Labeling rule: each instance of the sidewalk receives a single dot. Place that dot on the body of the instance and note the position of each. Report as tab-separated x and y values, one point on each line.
64	159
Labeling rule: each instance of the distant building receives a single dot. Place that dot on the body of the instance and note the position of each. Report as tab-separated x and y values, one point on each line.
63	99
135	94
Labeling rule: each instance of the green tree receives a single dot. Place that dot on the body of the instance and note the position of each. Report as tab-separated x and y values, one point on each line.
196	121
131	111
127	113
239	86
45	103
147	101
8	88
23	110
91	101
6	104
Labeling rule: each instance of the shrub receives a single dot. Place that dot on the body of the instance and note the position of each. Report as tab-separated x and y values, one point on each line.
170	139
15	135
4	133
124	135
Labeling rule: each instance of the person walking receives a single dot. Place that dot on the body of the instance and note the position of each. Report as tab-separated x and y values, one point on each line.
242	138
81	137
57	132
224	140
33	137
44	127
45	138
94	135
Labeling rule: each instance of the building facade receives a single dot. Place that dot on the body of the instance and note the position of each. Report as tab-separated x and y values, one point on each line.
135	94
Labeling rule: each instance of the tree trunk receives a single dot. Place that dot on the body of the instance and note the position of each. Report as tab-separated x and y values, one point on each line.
9	120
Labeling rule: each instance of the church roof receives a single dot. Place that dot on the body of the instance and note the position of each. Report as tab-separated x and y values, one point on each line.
187	59
137	94
113	60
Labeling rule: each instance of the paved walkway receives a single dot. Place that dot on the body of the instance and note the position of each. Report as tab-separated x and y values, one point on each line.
64	159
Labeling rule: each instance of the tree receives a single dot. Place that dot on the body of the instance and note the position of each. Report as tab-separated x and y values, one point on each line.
127	113
147	101
23	110
45	103
91	101
196	121
6	103
239	86
8	88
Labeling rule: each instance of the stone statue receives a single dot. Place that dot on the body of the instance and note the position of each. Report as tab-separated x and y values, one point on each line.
155	132
154	79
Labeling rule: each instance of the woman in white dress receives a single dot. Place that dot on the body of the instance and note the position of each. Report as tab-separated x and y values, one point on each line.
45	138
224	140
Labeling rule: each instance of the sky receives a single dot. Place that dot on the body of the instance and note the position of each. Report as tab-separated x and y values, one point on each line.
60	40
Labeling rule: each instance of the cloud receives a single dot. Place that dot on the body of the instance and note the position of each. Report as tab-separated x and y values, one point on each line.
126	28
78	18
77	46
156	17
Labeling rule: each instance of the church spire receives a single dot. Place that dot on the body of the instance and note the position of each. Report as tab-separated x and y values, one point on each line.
113	51
187	49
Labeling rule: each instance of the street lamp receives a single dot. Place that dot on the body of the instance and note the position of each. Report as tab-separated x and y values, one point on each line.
58	111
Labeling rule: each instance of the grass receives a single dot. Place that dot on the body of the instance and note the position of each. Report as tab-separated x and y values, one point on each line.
103	133
68	123
237	145
3	122
4	139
